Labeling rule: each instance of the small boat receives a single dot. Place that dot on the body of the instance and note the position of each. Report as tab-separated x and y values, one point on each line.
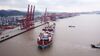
95	46
71	26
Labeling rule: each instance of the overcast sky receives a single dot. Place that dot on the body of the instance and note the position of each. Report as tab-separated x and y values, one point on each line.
53	5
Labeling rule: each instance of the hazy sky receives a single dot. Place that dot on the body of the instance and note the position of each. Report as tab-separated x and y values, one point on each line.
53	5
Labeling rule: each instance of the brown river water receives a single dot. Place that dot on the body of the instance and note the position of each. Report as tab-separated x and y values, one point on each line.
67	41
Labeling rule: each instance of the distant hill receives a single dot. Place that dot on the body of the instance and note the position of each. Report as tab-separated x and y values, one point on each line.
14	13
91	12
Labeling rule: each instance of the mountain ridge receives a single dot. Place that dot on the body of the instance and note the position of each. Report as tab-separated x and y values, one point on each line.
5	13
